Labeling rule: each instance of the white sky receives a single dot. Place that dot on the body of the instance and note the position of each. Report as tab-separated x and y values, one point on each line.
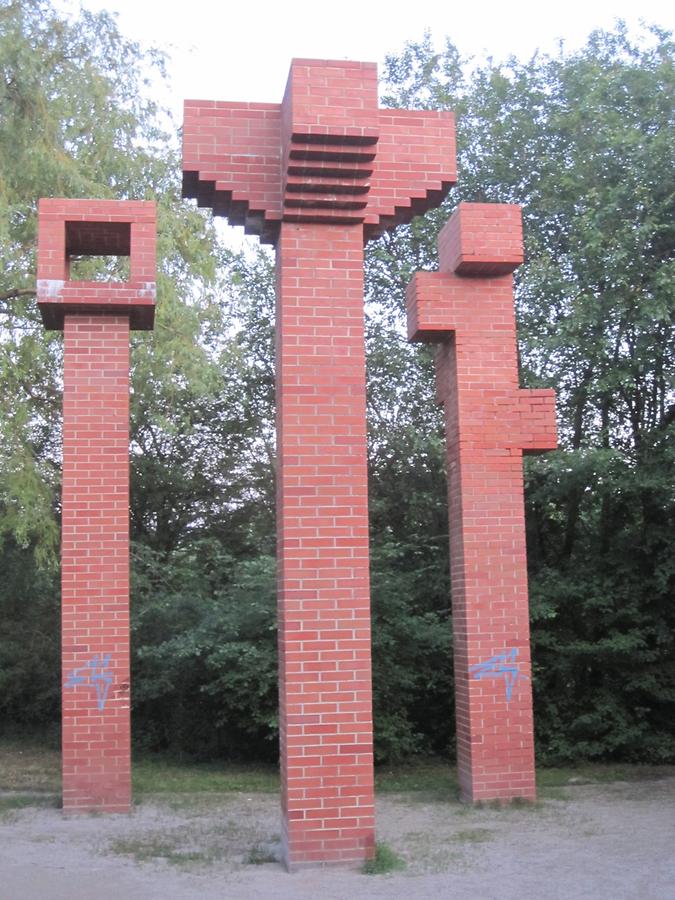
241	51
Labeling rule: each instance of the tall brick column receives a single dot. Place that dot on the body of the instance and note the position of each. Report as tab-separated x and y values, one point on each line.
96	318
467	309
322	514
317	175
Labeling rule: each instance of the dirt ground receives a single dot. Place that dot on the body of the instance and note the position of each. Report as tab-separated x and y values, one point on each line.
612	840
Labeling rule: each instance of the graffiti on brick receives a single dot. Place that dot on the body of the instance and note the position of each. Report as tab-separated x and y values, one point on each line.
505	666
95	673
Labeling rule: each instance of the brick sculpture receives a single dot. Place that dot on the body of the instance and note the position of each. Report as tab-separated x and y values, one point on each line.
467	309
317	175
96	318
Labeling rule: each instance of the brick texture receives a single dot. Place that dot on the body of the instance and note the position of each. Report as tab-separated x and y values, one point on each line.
318	175
467	309
96	319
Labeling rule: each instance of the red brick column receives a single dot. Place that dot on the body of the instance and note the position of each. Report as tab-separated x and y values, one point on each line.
318	174
95	564
468	310
96	318
323	578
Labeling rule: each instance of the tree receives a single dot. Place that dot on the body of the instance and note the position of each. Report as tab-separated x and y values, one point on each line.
74	121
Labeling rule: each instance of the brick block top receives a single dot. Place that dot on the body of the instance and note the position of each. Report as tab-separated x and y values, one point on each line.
72	228
482	239
478	249
326	154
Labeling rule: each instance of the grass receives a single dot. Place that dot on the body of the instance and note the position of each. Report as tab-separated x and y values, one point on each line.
12	803
32	766
384	861
473	836
201	843
158	775
166	847
599	773
29	766
431	779
437	780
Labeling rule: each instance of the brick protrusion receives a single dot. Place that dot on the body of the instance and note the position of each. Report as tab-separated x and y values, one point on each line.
326	154
490	422
482	239
96	319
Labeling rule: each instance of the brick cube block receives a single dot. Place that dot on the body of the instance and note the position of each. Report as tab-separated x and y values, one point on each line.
482	239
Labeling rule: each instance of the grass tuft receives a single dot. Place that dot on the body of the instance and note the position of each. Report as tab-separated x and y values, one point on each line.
473	836
384	861
261	854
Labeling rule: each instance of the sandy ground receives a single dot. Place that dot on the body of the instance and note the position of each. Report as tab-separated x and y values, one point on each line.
593	841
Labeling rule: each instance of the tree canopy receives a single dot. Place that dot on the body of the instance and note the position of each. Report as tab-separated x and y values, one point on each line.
585	142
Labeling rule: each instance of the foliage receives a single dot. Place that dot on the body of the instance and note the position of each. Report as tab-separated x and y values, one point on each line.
205	636
29	645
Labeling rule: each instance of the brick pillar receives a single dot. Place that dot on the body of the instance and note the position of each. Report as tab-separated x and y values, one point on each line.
468	310
95	564
319	174
322	515
96	318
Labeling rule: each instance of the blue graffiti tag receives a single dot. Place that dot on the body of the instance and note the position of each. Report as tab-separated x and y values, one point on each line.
97	675
498	667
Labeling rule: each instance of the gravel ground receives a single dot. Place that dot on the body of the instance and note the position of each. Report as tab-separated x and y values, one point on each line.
592	841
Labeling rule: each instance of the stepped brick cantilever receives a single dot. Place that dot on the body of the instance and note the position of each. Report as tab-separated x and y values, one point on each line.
96	318
467	309
317	175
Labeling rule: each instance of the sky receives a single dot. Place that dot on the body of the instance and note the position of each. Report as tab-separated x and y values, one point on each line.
241	51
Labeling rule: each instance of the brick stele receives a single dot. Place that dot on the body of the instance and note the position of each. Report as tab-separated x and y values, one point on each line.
317	175
96	318
467	309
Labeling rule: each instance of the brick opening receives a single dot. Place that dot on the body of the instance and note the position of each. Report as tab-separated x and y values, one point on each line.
99	268
98	251
98	238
